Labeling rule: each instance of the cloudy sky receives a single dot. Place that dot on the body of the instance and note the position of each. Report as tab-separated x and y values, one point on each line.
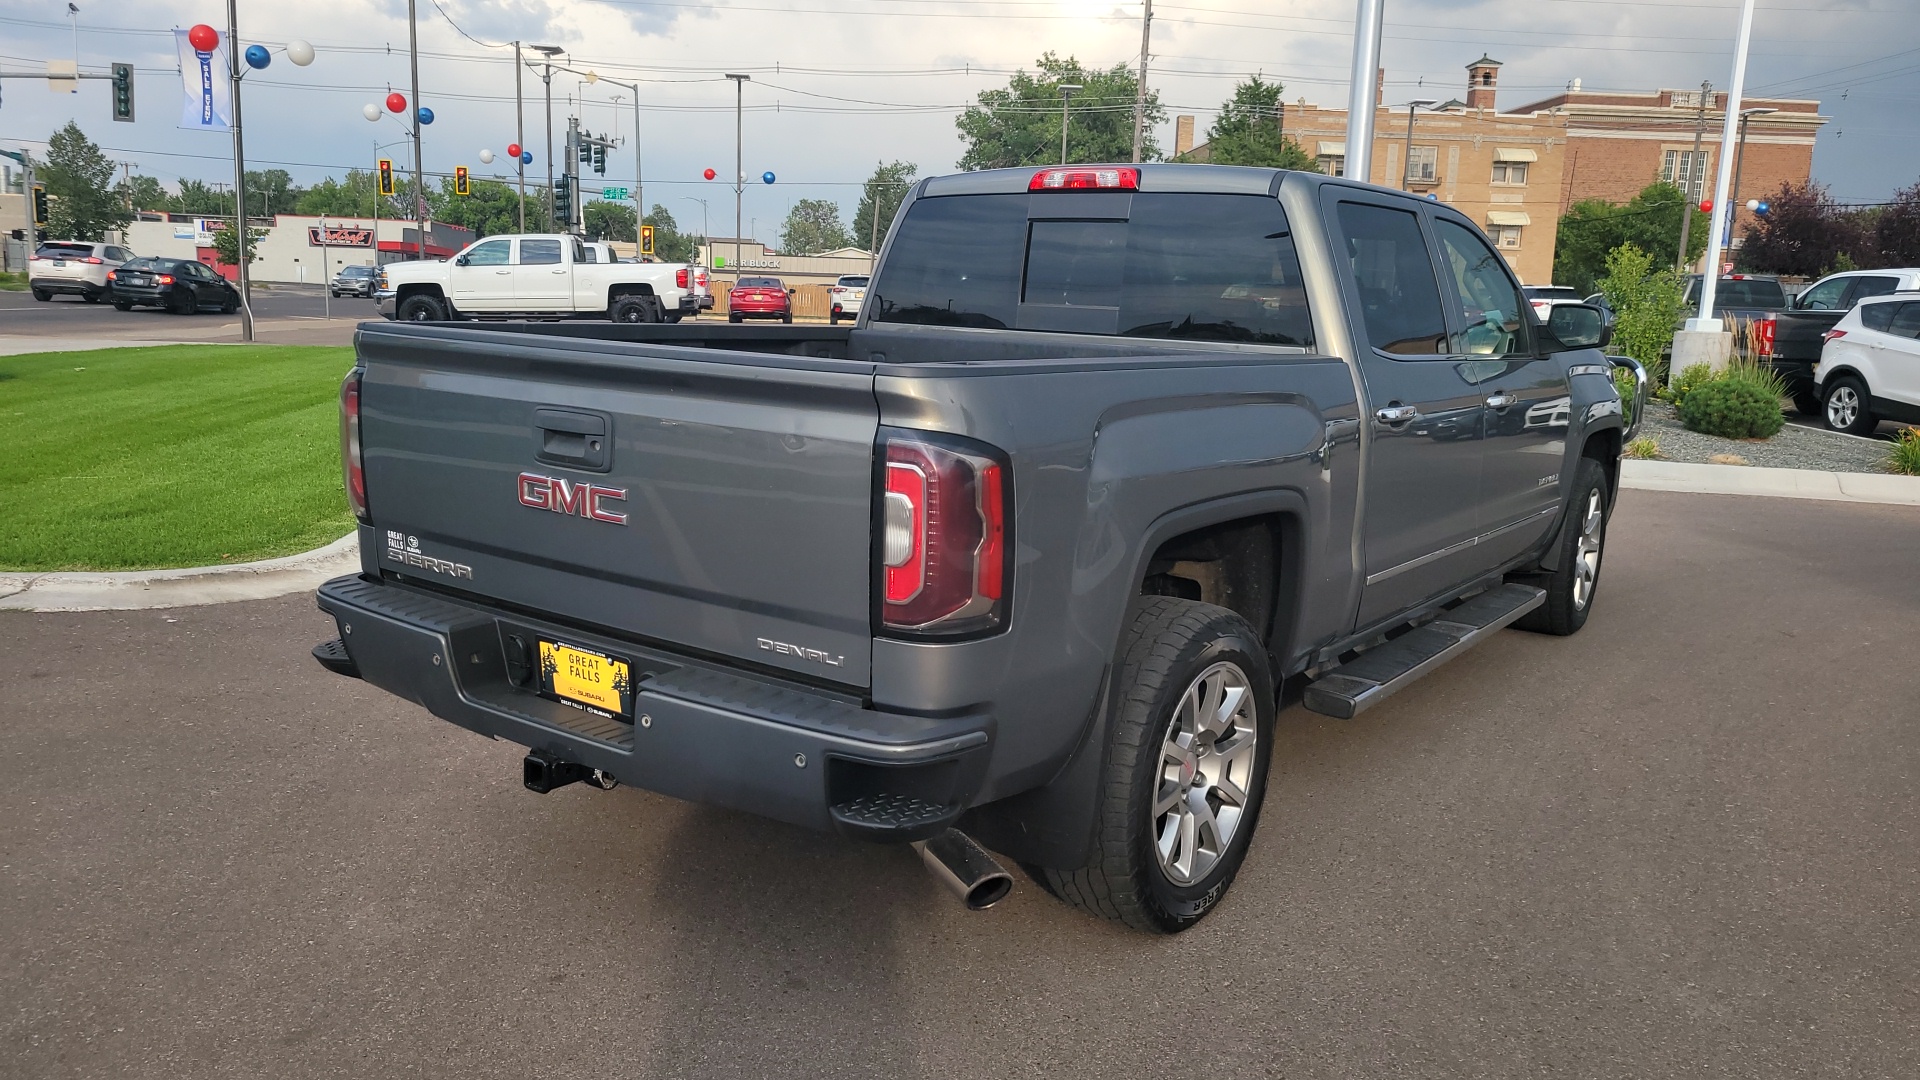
842	84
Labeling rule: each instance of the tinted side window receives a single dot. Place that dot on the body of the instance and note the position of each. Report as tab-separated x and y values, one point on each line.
1877	285
539	253
1877	316
955	262
1749	293
1399	296
1490	320
1906	322
1213	267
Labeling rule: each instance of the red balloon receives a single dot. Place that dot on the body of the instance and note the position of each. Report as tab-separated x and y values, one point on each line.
203	38
396	103
1706	206
709	174
513	150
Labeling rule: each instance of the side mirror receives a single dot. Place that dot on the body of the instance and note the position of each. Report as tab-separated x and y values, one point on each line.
460	260
791	292
1579	326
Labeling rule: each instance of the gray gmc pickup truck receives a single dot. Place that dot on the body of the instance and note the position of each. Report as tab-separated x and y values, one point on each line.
1026	555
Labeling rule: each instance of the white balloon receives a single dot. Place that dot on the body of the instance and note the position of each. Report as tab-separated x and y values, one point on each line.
299	52
1753	204
486	157
371	112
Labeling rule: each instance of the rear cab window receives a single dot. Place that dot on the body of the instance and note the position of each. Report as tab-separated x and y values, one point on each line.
1151	265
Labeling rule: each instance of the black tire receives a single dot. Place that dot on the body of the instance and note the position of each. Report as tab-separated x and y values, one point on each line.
231	305
1848	407
123	305
787	318
673	317
833	320
1807	403
1170	645
420	309
1573	579
734	317
635	309
185	302
91	298
42	295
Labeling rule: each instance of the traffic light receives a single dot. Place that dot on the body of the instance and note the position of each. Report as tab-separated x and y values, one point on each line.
586	150
600	158
460	183
646	239
386	176
123	92
563	199
39	204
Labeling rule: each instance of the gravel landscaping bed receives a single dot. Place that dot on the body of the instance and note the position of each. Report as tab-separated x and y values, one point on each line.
1793	448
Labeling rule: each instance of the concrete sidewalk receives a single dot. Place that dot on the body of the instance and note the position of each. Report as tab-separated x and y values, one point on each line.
1883	488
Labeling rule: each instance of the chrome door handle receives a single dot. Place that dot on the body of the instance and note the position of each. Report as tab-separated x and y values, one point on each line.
1501	401
502	272
1396	414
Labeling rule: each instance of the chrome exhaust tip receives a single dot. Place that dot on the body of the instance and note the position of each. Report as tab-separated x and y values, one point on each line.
966	869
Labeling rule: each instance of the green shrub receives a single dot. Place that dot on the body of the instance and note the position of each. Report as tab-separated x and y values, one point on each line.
1691	377
1731	408
1642	449
1757	375
1647	304
1905	455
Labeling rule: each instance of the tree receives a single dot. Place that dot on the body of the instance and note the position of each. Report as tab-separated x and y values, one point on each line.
1247	131
1804	233
1021	124
79	179
199	199
813	226
1647	303
271	192
669	243
609	221
489	208
1896	232
1650	221
886	189
226	244
145	193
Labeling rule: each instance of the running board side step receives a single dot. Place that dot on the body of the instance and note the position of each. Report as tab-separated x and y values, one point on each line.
1375	675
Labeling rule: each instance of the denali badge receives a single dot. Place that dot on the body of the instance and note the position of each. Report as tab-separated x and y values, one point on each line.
816	655
571	497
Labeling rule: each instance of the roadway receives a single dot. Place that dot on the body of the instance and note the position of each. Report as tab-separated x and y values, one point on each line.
1681	843
288	315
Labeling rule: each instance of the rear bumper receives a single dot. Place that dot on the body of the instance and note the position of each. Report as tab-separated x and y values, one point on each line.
706	734
79	286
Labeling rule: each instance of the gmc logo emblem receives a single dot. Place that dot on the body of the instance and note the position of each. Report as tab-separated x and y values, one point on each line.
570	497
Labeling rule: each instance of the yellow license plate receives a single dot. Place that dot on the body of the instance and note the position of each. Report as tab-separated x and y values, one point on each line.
588	678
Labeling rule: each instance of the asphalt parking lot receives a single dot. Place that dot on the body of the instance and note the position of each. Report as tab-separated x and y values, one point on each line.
1682	843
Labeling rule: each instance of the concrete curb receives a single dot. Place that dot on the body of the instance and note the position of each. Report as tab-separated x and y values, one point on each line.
139	589
1885	489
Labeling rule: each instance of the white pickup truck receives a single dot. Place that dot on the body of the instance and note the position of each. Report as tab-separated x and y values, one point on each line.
535	275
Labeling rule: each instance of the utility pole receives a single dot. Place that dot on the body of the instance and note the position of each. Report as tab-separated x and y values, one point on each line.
239	176
1406	165
1067	91
419	185
1140	101
519	134
1686	182
1739	161
739	164
1367	26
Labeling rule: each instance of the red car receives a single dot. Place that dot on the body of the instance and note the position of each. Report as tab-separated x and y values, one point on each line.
760	298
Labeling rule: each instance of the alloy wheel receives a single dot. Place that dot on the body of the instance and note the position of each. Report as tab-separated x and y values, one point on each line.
1586	556
1206	771
1843	407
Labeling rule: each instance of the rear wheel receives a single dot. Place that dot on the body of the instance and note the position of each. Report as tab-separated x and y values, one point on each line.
184	302
1848	407
420	309
42	295
635	309
734	317
91	298
123	305
1574	570
1807	403
787	318
1186	768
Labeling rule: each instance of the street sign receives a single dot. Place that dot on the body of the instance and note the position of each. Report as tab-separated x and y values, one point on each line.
615	194
386	176
646	239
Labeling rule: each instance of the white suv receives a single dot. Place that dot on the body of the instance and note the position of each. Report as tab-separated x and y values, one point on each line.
844	297
73	266
1869	368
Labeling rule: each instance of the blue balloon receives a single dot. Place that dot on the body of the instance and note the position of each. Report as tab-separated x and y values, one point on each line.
258	56
1762	208
426	115
526	157
766	178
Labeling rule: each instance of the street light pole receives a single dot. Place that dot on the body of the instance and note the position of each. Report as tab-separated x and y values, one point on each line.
1739	160
419	186
1361	99
739	163
1067	90
519	134
1406	164
546	77
1716	237
1140	98
239	176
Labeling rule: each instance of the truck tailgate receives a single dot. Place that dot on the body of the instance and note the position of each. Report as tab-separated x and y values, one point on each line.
717	502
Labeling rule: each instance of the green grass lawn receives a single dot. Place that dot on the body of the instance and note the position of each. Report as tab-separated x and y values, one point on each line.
187	455
16	282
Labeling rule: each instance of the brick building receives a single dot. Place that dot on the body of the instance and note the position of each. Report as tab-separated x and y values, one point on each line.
1619	143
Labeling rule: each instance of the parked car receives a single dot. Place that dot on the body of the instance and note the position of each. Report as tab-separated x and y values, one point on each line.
542	275
1797	335
354	281
1545	297
760	298
182	286
1739	298
1026	554
73	267
1869	368
845	296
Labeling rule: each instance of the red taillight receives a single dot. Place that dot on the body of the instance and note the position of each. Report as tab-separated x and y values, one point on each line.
350	463
91	261
1832	335
1084	179
113	275
700	277
1765	334
943	536
165	279
681	277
